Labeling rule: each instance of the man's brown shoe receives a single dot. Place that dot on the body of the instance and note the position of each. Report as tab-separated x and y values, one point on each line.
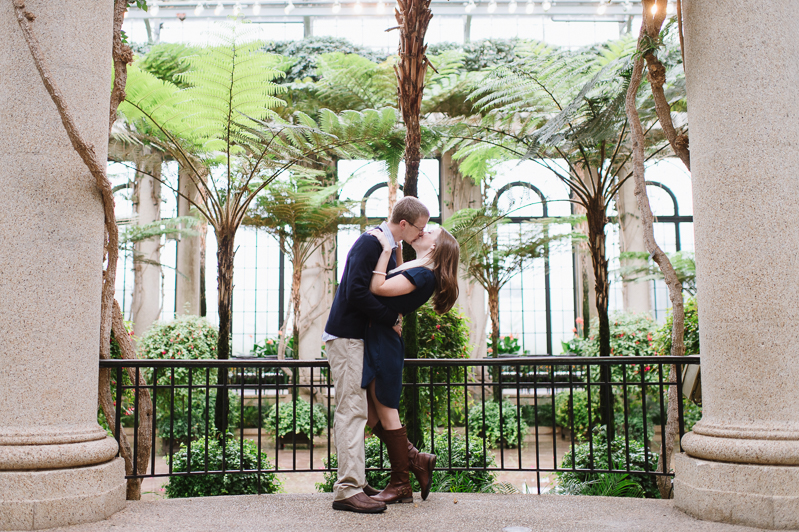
360	503
370	491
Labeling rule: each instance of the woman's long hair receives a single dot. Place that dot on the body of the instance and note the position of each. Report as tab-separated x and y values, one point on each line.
445	259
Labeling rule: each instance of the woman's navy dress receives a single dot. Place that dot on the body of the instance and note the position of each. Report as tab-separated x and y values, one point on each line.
384	350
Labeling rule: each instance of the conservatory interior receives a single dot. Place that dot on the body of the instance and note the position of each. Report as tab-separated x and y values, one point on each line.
196	223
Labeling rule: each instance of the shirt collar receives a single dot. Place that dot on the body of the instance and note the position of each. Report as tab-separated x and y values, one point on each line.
387	231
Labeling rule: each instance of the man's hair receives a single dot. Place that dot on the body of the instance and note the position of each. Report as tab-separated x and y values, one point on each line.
409	209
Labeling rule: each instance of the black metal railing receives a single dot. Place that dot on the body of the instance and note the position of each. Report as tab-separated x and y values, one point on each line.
554	403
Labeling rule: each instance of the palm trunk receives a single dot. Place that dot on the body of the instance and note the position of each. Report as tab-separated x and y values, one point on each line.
296	280
224	255
493	311
597	219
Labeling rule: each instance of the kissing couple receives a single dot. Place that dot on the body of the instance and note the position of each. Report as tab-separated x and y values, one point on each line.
363	342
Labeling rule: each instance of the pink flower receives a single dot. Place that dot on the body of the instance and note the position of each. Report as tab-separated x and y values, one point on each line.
270	342
579	321
490	350
574	330
438	326
510	336
163	352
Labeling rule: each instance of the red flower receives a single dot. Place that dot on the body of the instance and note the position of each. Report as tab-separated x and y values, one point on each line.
647	368
438	326
163	352
433	337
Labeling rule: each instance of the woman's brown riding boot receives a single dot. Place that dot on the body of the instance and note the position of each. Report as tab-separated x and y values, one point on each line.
399	487
421	464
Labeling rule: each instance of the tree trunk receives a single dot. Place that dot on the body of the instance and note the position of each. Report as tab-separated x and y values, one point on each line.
669	274
596	218
224	255
493	312
296	282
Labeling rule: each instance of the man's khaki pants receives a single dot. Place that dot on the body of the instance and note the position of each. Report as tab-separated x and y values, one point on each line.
345	356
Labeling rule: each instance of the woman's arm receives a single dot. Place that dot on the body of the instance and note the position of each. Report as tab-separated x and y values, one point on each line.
380	286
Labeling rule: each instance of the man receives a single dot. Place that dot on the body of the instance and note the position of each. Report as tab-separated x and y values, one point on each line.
353	307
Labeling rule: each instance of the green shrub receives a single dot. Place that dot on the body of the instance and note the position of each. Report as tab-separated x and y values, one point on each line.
508	433
662	343
268	348
545	417
584	483
443	336
443	481
286	415
577	422
506	345
184	338
213	484
127	417
177	426
691	413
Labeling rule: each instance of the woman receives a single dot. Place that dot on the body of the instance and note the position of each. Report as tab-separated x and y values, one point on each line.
404	289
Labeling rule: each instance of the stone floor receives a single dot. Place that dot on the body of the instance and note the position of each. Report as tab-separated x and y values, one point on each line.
441	512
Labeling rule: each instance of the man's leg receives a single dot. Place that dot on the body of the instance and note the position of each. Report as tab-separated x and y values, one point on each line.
345	356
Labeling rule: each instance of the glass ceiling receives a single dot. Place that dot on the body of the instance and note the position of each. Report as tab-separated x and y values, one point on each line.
570	23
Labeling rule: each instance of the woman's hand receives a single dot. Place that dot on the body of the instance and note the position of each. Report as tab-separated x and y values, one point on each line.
382	238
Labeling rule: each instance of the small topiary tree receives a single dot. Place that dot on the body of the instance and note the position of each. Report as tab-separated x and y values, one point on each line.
214	484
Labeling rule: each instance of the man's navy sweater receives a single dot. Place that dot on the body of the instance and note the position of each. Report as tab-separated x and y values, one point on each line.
355	305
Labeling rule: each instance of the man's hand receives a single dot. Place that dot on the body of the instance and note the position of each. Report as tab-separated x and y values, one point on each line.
398	327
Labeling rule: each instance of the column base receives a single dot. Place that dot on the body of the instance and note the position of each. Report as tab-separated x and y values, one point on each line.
33	500
755	495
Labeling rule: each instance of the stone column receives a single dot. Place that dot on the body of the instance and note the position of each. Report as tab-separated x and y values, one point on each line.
458	192
187	296
316	298
57	466
146	301
741	459
636	294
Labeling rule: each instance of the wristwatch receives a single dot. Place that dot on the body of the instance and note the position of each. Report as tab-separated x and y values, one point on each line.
399	320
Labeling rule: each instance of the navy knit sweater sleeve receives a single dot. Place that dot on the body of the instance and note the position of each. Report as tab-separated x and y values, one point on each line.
355	305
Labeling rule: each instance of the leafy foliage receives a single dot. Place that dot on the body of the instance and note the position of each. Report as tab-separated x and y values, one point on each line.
631	334
594	455
662	342
305	54
185	338
268	348
682	261
449	455
215	484
494	430
166	61
284	413
441	336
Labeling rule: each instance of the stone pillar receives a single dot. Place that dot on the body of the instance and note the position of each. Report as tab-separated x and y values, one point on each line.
187	296
316	297
636	294
57	466
146	301
741	459
458	192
